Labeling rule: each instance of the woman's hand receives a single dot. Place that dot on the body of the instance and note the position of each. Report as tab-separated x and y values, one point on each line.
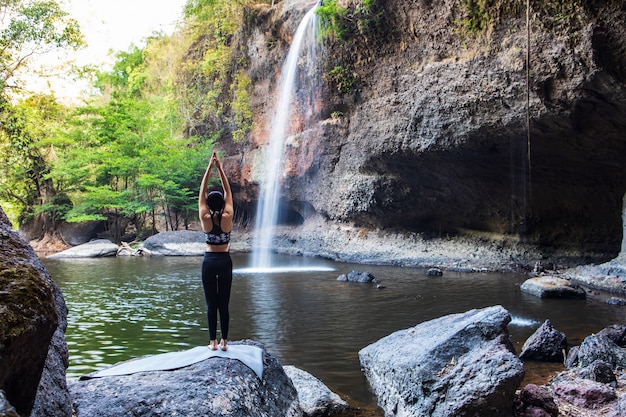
216	161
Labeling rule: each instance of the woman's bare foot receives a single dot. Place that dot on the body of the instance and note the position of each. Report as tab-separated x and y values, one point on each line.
213	345
223	344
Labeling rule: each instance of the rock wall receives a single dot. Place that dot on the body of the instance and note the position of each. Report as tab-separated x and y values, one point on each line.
622	254
432	135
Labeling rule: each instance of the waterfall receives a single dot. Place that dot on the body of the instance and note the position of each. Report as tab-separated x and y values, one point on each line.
268	206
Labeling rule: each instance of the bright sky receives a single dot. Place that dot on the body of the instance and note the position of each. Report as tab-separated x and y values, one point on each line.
107	25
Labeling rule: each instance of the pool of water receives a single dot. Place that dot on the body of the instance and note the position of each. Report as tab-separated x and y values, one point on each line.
123	308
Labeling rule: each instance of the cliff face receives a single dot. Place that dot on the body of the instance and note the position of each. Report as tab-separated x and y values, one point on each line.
432	134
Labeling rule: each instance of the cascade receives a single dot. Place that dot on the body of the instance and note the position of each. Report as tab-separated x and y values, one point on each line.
267	215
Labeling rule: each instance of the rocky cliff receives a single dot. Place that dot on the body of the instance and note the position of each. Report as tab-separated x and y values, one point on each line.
438	125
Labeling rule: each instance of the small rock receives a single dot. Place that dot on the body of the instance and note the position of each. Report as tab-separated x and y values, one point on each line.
546	344
315	398
434	272
536	401
358	276
599	371
616	301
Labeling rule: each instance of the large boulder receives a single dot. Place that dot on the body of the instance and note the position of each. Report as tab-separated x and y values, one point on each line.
608	345
212	387
553	287
97	248
178	243
461	364
33	352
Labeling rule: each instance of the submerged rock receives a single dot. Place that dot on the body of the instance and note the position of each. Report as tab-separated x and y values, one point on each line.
461	364
434	272
358	276
553	287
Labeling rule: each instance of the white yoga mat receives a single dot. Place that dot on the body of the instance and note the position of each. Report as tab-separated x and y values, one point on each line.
251	356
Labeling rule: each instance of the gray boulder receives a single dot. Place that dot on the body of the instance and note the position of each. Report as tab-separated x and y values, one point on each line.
213	387
608	345
178	243
316	399
461	364
546	344
33	352
553	287
95	249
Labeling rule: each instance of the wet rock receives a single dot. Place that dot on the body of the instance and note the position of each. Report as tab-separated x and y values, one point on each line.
553	287
546	344
33	352
358	276
213	387
617	301
316	400
461	364
434	272
607	345
535	401
95	249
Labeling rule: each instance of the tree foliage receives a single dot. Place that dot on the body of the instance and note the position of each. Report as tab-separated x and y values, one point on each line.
30	27
136	152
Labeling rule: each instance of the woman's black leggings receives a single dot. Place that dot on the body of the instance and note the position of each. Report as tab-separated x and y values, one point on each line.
217	277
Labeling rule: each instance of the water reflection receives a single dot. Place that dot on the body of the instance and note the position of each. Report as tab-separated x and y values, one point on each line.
121	308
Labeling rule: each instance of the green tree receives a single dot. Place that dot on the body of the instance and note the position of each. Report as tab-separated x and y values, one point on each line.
27	147
28	28
31	27
124	157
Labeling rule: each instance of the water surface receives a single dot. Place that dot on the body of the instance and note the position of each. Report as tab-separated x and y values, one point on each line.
122	308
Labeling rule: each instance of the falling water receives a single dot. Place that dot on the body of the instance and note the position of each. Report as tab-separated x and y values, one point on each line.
267	211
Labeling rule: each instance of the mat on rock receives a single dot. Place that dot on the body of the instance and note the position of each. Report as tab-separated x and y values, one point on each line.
251	356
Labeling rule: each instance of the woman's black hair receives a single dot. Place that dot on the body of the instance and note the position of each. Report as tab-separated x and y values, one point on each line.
215	201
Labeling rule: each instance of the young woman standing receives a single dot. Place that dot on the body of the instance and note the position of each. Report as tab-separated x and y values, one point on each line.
215	209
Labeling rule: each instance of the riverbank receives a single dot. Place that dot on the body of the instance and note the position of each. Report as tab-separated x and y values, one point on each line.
342	242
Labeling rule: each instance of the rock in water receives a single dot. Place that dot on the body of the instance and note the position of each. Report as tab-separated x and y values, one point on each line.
546	344
358	276
316	399
553	287
461	364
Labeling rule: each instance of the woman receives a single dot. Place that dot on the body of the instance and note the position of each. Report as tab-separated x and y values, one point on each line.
215	209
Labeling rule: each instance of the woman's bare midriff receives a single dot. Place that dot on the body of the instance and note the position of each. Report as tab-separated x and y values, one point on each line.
217	248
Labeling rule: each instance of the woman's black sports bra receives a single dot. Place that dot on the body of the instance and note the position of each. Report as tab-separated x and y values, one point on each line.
217	236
